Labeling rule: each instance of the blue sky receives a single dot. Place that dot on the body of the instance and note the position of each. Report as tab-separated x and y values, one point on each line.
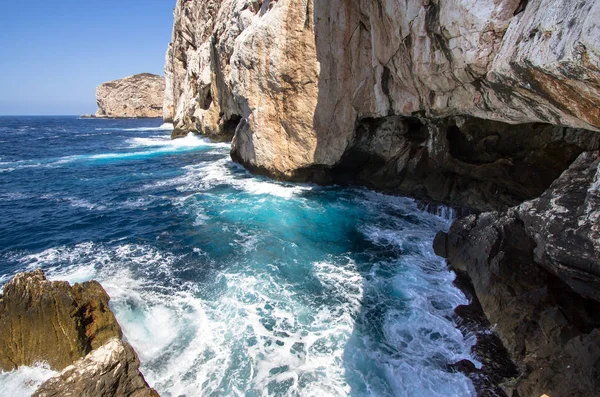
54	53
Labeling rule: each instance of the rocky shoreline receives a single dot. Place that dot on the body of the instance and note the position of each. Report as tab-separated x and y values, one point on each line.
489	106
498	372
535	269
72	329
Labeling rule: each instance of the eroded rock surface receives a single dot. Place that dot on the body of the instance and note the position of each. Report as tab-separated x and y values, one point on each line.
72	329
110	370
300	81
536	272
140	95
52	321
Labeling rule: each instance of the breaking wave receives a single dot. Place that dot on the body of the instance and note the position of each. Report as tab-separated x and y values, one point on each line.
230	284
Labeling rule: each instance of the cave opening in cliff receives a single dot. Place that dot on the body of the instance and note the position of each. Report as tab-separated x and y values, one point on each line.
206	100
469	162
231	125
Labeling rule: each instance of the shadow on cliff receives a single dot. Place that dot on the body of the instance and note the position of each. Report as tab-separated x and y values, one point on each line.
404	338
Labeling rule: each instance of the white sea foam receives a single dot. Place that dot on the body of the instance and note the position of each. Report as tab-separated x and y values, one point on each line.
247	329
19	164
159	145
82	203
74	202
156	145
247	241
141	203
13	196
189	141
189	345
205	176
293	342
25	380
163	127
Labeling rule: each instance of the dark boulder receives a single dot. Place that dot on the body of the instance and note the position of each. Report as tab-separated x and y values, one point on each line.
564	223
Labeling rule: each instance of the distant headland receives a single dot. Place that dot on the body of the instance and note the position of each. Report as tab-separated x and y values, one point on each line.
137	96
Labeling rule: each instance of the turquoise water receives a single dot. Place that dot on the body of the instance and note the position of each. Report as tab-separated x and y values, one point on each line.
228	284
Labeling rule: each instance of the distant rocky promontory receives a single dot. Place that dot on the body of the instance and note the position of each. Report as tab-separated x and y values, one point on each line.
140	95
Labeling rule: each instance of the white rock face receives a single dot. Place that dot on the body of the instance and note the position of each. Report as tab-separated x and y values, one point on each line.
110	370
295	76
140	95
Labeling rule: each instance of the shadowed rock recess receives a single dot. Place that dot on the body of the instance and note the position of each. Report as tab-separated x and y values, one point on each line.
480	105
72	329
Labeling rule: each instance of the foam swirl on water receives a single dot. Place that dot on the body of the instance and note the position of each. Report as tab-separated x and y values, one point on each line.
25	380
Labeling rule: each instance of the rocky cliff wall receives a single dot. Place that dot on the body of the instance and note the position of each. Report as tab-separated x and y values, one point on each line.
536	271
301	80
476	104
140	95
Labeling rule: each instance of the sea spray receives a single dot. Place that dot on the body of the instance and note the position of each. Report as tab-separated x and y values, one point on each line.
231	284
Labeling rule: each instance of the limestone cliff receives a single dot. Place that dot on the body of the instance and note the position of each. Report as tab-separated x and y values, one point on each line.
309	86
476	104
140	95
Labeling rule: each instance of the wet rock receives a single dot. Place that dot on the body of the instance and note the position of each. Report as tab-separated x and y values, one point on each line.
440	244
564	223
110	370
498	372
52	321
534	271
140	95
464	366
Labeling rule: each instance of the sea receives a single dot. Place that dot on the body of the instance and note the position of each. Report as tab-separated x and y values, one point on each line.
225	283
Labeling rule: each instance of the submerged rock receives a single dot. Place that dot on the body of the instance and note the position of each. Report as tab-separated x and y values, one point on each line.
110	370
140	95
52	321
536	270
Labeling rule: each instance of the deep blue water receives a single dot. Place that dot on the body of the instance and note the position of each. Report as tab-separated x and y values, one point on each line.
228	284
